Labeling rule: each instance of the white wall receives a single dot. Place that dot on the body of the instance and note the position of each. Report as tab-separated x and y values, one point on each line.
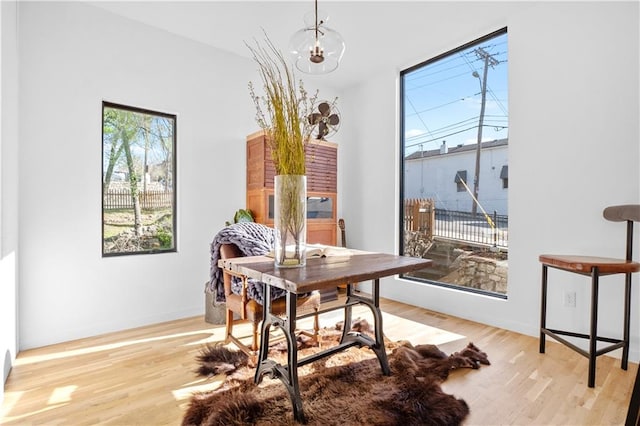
72	57
8	189
574	92
573	149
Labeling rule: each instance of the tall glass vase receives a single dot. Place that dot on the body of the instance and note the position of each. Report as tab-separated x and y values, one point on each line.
290	220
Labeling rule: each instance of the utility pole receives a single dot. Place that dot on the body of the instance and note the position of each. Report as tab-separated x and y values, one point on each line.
488	61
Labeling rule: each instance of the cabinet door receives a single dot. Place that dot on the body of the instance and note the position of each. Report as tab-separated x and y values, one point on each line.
321	233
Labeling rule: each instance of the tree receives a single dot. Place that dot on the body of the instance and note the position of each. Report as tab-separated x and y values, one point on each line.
109	131
122	127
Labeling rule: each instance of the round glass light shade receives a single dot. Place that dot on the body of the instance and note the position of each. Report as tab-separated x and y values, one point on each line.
319	55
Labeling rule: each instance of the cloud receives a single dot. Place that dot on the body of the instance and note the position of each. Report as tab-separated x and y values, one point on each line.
411	133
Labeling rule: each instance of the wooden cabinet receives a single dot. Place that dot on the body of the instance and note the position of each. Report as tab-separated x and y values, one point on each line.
322	176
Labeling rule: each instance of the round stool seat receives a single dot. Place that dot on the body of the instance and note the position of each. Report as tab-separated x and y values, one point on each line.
585	264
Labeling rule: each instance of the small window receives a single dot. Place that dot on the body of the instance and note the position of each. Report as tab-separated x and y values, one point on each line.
138	181
461	180
504	175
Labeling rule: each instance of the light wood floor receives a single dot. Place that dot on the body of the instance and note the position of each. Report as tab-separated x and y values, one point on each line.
145	376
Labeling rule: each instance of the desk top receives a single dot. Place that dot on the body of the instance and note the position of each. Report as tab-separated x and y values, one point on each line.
324	272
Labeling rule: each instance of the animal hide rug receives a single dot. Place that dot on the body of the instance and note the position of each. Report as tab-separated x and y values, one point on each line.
347	388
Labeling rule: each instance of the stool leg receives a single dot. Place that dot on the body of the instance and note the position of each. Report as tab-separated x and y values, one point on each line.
543	308
593	337
627	320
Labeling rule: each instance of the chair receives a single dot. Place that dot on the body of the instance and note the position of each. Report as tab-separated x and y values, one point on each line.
343	234
246	308
343	239
595	267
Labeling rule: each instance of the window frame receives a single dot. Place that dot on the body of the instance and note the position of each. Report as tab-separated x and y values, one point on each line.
403	155
460	180
174	180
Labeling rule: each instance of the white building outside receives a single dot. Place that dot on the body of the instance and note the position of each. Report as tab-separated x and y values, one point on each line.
432	174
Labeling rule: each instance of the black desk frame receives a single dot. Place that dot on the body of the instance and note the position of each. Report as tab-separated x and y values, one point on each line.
289	374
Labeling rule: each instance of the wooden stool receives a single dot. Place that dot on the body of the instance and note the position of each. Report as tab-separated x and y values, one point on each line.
595	267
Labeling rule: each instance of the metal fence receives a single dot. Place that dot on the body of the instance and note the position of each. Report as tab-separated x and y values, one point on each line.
420	215
491	229
121	199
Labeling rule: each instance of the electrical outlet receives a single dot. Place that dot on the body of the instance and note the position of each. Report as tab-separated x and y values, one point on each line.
569	299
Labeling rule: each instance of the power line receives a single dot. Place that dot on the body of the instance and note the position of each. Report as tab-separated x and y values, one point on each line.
438	81
494	121
497	101
418	73
438	106
439	138
447	128
419	117
431	83
425	75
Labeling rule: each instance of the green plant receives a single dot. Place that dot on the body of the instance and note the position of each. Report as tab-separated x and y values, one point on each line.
241	215
164	238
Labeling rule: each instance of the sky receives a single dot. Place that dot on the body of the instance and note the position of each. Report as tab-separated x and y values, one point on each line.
443	98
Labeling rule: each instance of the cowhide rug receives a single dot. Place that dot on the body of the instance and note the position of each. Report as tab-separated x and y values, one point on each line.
345	389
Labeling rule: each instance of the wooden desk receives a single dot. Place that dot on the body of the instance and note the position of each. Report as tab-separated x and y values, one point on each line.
320	273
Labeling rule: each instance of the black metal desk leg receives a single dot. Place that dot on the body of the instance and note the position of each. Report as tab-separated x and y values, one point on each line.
291	381
288	375
264	334
543	308
593	336
377	316
346	328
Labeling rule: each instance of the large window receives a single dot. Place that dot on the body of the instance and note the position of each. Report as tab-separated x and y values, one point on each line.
138	181
454	151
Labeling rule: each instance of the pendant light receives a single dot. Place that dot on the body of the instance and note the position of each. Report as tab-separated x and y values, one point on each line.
316	49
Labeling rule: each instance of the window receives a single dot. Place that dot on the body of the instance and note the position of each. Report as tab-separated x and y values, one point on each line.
461	180
138	181
454	129
504	175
